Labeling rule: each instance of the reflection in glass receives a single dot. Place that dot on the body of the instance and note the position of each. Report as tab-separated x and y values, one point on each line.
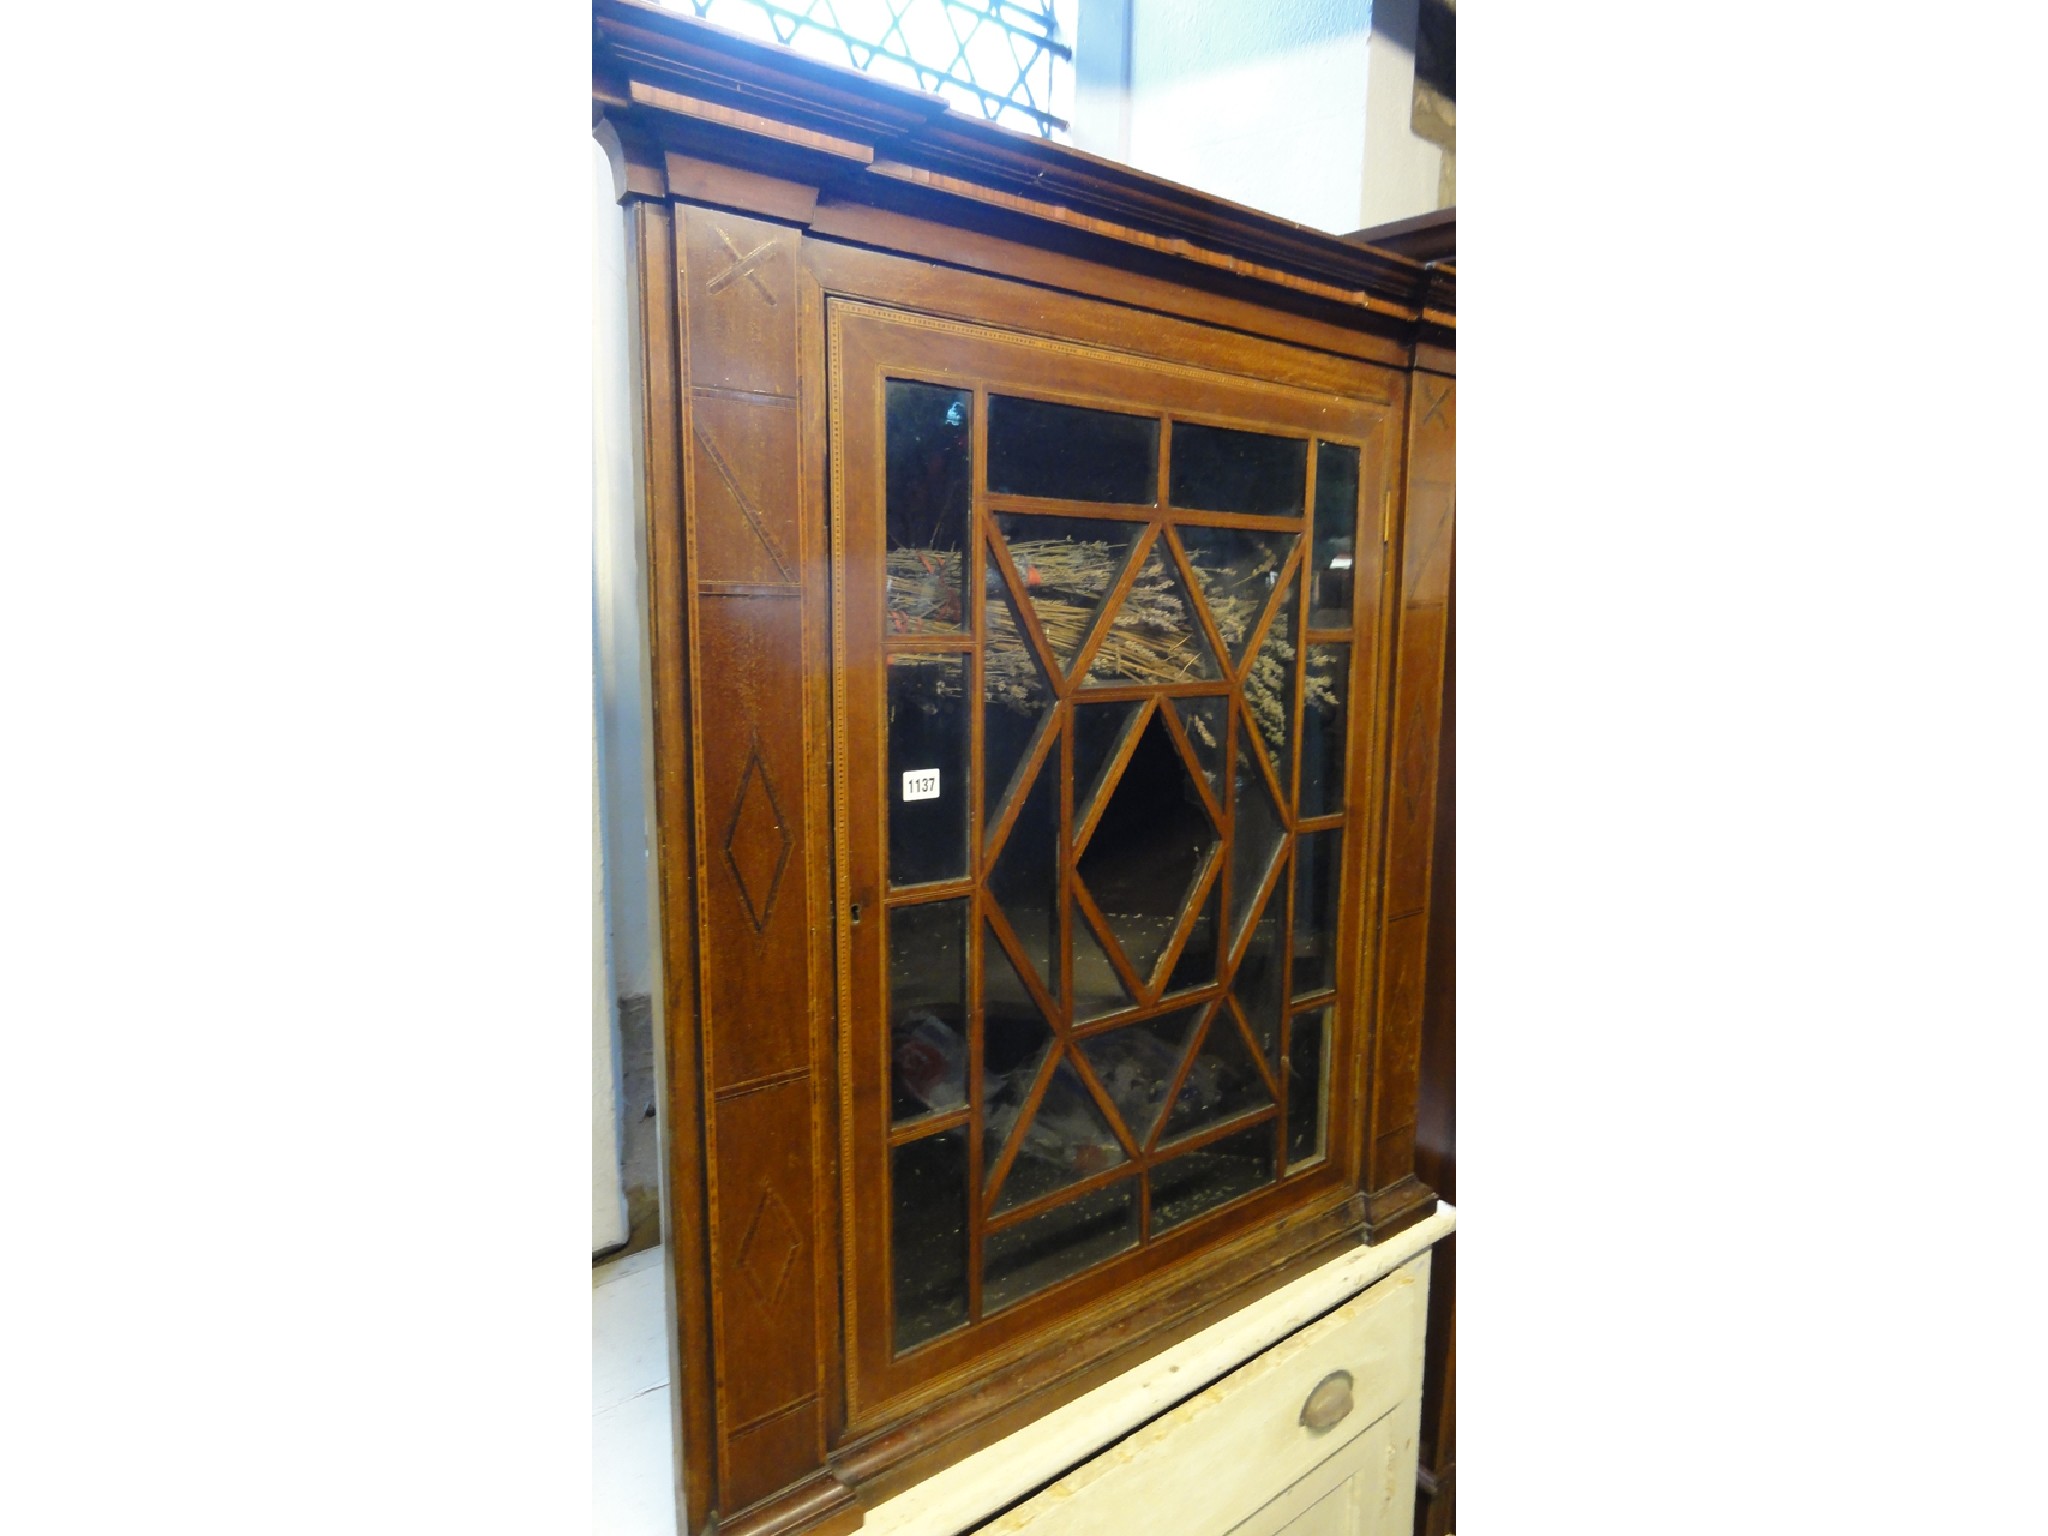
1259	833
1196	965
1237	570
1330	574
927	731
1318	862
1153	841
1066	1140
1322	729
1203	720
1025	879
1269	688
928	1235
1154	637
1067	565
1220	469
928	475
1259	981
1137	1065
1200	1181
1015	699
1098	729
1071	452
1014	1040
1308	1086
1223	1083
927	1008
1064	1241
1098	990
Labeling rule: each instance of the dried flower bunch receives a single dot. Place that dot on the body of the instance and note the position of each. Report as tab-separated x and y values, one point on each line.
1153	638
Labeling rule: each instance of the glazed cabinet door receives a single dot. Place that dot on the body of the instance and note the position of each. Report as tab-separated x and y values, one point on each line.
1107	630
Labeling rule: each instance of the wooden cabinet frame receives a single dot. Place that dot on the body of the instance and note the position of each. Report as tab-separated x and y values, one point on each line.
766	195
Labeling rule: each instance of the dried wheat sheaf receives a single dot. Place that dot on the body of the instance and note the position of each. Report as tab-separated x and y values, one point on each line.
1152	639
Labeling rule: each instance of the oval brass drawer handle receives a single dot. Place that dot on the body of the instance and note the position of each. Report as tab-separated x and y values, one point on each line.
1328	1403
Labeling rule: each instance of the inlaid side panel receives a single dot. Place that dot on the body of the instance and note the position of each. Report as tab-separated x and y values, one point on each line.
1418	703
763	1191
1394	1084
740	294
755	535
751	761
1426	546
1425	590
746	515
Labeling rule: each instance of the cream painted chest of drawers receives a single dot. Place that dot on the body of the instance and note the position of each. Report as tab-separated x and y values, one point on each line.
1209	1438
1243	1457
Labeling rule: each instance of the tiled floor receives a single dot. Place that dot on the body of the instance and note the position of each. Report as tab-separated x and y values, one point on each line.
631	1464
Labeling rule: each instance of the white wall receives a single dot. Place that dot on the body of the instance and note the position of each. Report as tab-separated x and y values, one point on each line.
1295	107
621	598
621	936
1402	171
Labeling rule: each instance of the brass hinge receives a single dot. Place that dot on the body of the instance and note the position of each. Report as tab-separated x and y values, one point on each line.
1387	516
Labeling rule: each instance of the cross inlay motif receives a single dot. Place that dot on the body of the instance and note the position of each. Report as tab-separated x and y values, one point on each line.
743	266
747	509
1435	412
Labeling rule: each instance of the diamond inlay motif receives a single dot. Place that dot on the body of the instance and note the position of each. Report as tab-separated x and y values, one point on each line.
757	842
769	1248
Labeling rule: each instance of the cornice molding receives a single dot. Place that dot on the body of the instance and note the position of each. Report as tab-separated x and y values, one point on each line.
694	87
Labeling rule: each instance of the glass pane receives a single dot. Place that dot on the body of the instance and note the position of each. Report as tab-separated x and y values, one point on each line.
1014	1040
927	1008
1064	1241
1237	569
1259	981
1196	966
1015	699
928	479
1269	688
1336	520
1065	1141
1219	469
1146	852
1025	879
927	782
1223	1083
1068	566
1098	728
1308	1087
1098	990
1211	1176
1318	862
1154	637
1258	832
1203	720
1071	452
1322	729
928	1235
1137	1064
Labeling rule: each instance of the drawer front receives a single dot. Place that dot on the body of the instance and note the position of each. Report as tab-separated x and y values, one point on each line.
1357	1491
1220	1457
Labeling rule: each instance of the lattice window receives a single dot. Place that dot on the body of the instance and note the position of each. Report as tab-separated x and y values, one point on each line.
1009	60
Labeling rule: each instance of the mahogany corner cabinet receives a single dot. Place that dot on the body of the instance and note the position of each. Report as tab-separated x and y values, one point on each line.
1047	569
